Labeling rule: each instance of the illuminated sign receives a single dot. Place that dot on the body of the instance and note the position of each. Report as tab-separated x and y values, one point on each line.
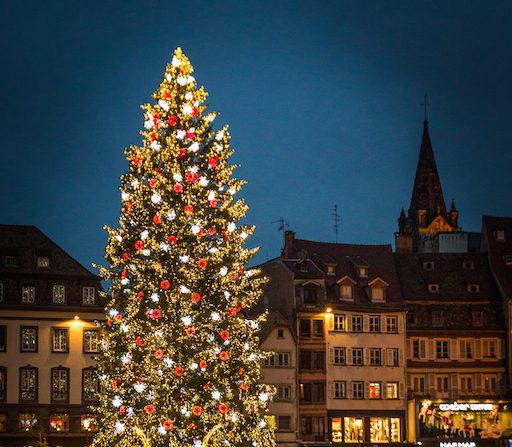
457	444
456	406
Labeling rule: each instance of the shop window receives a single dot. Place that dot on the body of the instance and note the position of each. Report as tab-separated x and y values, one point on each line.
442	349
89	422
339	323
60	384
284	423
337	434
3	422
353	429
375	357
284	392
385	430
357	356
90	385
392	324
88	295
28	385
58	294
374	325
357	390
59	422
375	390
340	389
3	338
28	294
91	340
60	340
357	323
27	421
339	356
392	390
3	384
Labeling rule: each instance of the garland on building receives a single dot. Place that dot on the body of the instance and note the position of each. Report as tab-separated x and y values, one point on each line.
180	363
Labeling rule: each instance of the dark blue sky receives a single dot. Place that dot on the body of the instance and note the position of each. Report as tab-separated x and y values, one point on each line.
323	100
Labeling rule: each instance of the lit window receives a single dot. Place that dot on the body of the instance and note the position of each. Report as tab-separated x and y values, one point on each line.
43	262
28	384
90	385
340	389
27	421
3	422
28	342
339	323
58	294
392	390
60	384
428	265
331	269
385	430
91	339
357	390
353	429
59	422
363	271
89	295
339	356
28	294
89	422
59	340
374	390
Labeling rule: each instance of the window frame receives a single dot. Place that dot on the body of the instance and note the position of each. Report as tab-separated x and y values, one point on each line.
341	386
339	353
58	295
375	356
29	287
85	349
3	338
396	387
392	322
3	384
355	354
54	331
36	386
93	371
445	353
372	327
53	391
360	325
376	385
84	302
36	343
358	390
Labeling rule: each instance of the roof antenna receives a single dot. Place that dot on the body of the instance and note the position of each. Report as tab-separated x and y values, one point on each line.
283	225
425	104
337	220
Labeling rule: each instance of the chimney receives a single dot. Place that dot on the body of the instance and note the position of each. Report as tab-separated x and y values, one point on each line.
289	238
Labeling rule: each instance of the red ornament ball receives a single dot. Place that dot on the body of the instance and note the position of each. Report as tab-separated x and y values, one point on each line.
195	297
165	284
149	409
139	245
223	408
202	264
178	188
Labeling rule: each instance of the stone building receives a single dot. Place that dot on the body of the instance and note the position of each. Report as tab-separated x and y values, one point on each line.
48	339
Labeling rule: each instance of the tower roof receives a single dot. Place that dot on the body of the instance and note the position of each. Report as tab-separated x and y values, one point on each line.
427	193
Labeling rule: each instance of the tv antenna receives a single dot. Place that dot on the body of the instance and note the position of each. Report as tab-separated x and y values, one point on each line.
336	221
283	225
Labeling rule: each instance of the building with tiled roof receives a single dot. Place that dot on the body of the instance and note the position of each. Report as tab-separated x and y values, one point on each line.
48	340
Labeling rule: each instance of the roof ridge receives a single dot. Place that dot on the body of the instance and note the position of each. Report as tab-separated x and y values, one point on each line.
343	243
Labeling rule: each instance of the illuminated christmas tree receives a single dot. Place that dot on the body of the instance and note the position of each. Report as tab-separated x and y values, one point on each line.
180	362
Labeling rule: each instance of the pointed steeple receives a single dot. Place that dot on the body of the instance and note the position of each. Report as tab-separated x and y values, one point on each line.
427	201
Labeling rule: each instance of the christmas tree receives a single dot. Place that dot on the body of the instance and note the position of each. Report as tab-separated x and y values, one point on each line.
180	363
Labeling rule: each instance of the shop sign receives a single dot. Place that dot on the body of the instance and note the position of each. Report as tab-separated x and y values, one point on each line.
457	444
461	406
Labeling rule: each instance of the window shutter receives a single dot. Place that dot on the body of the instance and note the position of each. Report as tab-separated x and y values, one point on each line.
383	360
453	349
410	382
423	349
401	394
350	392
330	322
454	384
400	357
431	355
478	381
383	321
478	348
349	356
409	349
366	356
462	349
331	356
499	348
348	323
400	319
389	357
330	387
431	383
366	323
366	390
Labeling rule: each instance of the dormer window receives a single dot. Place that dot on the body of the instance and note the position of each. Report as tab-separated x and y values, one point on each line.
378	290
346	291
473	288
477	317
43	262
500	235
10	261
468	265
508	259
363	271
433	288
422	214
331	269
429	265
310	295
303	267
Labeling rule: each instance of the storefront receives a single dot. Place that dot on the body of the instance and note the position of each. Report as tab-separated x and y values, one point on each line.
464	423
366	427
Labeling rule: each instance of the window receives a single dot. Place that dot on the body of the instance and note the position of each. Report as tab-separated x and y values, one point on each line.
28	339
340	390
312	392
357	356
331	269
477	317
90	385
490	384
280	333
433	288
392	356
500	235
91	340
489	348
392	324
353	430
466	384
318	328
375	357
3	384
284	392
339	356
3	422
385	430
437	318
28	294
428	265
473	288
284	423
27	421
357	390
357	323
11	261
418	349
442	384
60	340
442	350
374	323
346	291
339	323
418	384
311	360
59	422
43	262
60	384
374	390
411	319
305	328
508	259
278	360
89	295
311	327
392	390
3	338
28	384
378	293
89	422
314	426
310	295
1	292
363	271
468	265
466	349
58	294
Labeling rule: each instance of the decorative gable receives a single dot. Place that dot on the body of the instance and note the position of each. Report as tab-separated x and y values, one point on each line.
378	288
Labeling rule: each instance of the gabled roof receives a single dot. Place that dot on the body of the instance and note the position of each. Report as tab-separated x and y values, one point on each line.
498	249
274	319
26	243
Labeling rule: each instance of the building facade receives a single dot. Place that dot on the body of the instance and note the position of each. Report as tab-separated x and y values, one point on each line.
48	340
